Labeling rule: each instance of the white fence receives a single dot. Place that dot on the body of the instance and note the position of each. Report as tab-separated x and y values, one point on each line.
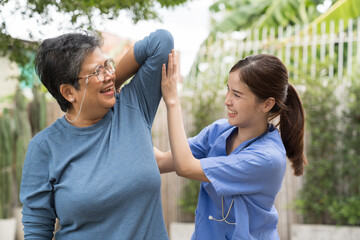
299	47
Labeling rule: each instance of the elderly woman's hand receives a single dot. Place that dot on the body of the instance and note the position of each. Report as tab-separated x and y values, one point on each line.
169	80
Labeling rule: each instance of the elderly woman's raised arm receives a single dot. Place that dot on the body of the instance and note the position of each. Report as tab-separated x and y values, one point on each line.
126	67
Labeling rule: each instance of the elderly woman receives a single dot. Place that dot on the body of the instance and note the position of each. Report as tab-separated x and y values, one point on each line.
94	169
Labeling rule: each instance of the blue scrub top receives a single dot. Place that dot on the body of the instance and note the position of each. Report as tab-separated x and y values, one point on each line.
252	176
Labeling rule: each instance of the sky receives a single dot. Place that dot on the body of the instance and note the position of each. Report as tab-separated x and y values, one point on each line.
189	24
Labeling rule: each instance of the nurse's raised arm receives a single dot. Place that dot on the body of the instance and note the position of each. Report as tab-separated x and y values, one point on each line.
185	164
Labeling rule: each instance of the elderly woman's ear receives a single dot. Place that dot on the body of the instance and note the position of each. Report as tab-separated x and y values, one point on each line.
67	91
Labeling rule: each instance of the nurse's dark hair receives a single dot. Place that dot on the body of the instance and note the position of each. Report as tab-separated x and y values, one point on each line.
266	76
58	61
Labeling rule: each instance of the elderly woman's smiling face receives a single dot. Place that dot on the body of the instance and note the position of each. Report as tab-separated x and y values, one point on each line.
100	95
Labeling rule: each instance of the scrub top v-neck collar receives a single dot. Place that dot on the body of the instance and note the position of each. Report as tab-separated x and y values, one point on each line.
221	142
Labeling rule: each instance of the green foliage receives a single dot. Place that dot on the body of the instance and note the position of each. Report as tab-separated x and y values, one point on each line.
331	193
339	10
6	156
321	123
16	50
22	136
140	9
246	14
189	200
38	111
81	16
206	107
251	18
345	208
15	134
27	76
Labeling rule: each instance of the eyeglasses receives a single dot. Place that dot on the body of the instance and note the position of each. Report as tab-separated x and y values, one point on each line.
100	71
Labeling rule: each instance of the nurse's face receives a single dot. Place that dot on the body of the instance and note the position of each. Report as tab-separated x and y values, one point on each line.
244	110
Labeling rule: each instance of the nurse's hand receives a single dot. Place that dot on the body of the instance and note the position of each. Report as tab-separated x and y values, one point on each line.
169	81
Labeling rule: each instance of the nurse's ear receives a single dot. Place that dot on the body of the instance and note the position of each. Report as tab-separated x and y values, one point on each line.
268	104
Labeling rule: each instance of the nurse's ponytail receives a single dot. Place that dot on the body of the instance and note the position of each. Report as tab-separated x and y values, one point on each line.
292	123
266	76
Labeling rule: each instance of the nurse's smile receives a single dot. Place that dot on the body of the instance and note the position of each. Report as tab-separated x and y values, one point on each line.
232	114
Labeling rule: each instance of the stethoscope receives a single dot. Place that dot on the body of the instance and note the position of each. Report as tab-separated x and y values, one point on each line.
232	202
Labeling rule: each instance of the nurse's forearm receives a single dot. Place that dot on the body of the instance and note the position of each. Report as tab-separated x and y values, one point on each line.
186	165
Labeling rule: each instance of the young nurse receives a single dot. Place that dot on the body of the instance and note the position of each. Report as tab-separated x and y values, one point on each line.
240	161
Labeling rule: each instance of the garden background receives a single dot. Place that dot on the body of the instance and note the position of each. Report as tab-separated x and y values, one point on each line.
322	53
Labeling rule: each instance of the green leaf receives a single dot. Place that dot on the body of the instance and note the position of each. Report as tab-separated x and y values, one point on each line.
341	9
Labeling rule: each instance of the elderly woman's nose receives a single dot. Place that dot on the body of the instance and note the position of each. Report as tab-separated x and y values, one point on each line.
107	75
